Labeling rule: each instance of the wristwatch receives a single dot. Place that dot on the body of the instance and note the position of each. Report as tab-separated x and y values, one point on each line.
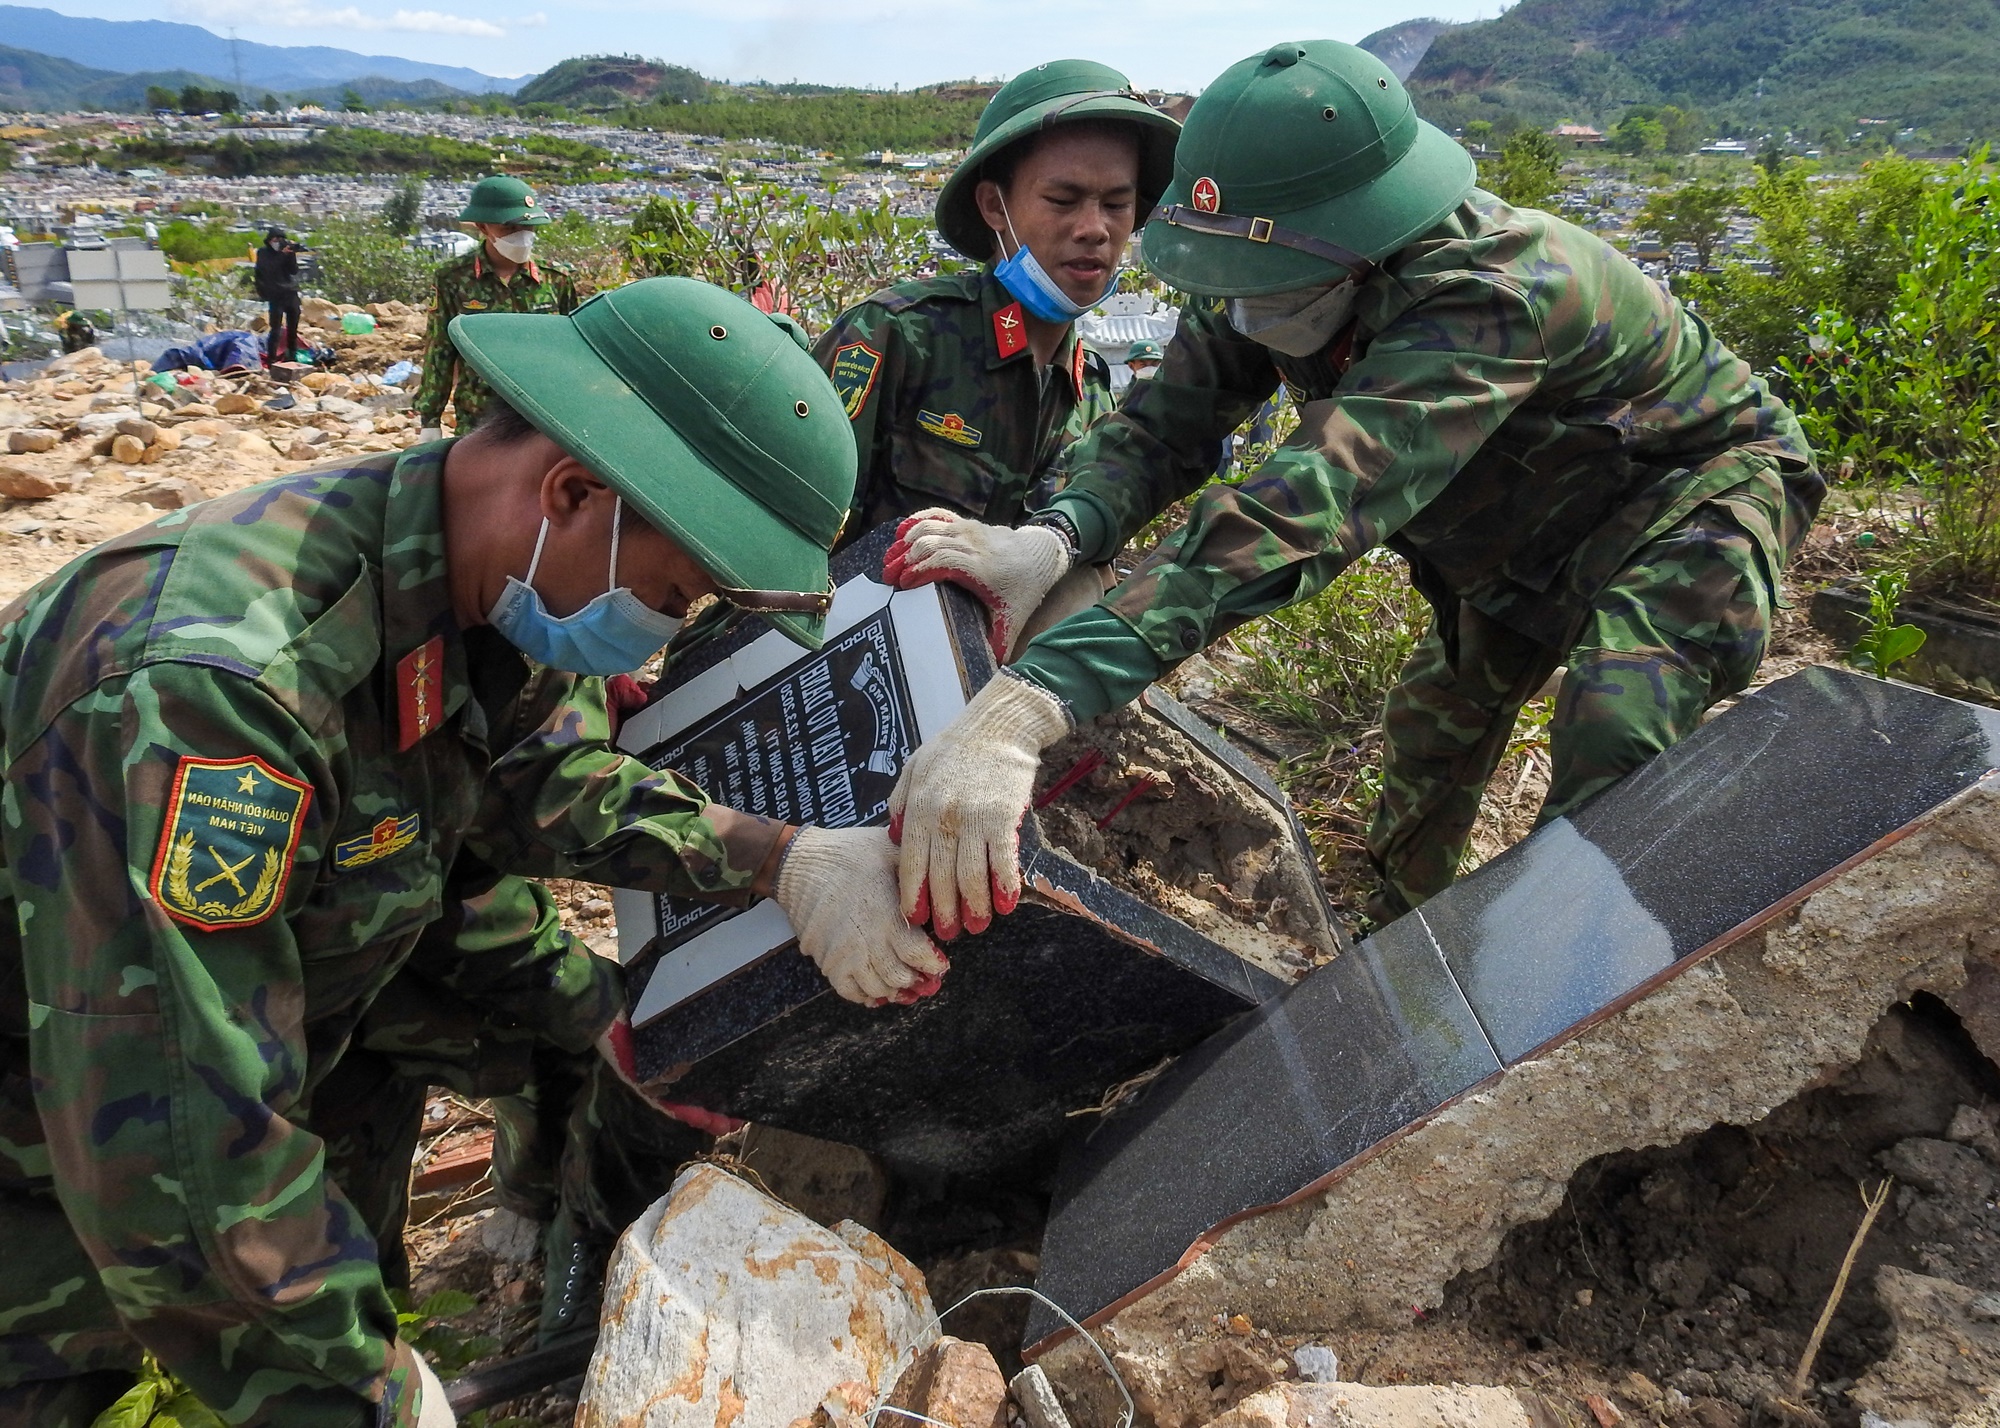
1063	526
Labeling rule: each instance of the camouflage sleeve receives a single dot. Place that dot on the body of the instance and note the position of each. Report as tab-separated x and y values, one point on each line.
1427	394
862	353
561	802
502	948
151	832
1166	440
440	357
568	294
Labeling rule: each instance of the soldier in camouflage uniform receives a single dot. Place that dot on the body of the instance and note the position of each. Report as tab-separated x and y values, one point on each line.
276	775
964	389
500	275
1575	469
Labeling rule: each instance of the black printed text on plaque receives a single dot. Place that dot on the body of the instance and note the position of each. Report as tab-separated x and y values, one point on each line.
821	743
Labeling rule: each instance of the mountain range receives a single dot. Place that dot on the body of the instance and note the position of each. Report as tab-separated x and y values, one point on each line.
156	47
1815	67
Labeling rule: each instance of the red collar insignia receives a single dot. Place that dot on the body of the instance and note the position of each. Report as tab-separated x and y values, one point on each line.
1010	330
1076	368
420	691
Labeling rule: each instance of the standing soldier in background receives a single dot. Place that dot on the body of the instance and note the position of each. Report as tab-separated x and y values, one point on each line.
965	389
1144	360
500	275
1577	472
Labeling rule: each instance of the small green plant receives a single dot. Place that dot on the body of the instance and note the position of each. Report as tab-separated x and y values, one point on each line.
450	1349
1887	644
158	1400
1327	664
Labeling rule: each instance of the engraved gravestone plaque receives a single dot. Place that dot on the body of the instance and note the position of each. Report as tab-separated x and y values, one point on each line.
821	743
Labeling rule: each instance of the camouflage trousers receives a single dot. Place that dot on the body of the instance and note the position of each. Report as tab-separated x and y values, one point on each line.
1682	625
566	1128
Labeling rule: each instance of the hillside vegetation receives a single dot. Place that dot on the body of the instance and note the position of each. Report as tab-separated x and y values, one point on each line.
1823	66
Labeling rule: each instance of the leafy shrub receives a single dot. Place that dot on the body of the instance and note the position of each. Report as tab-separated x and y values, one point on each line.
812	260
364	262
1326	664
1833	247
595	251
186	242
1528	172
1911	401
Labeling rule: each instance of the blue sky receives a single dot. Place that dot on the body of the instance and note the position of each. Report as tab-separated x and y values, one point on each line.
1171	44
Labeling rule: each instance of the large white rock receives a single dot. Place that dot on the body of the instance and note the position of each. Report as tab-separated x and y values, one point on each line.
726	1309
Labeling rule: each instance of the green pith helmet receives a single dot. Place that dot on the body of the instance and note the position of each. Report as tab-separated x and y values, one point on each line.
709	416
1296	164
503	199
1059	92
1144	350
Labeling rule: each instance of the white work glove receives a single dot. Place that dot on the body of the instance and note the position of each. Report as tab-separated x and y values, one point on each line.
957	809
838	886
1010	570
433	1408
429	433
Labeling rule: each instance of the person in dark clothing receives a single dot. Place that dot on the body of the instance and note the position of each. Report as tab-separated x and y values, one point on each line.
278	286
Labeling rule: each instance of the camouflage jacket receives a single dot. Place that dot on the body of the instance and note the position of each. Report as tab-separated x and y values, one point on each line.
1515	408
469	284
949	408
254	771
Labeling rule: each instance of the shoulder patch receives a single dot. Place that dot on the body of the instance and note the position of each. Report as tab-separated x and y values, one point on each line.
226	850
951	427
855	367
385	839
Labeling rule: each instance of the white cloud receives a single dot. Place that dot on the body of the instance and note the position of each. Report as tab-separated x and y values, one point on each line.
536	21
303	15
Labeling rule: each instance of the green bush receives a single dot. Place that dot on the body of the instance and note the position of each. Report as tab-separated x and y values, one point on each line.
186	242
1910	400
1326	664
1528	172
364	262
818	260
595	251
1833	246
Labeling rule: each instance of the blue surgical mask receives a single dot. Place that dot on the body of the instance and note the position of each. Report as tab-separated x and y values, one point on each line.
1034	289
613	634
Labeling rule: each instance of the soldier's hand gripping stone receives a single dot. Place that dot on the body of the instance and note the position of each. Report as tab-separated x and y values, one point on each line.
1011	571
1577	473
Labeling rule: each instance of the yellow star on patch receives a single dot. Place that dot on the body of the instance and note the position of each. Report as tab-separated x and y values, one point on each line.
248	783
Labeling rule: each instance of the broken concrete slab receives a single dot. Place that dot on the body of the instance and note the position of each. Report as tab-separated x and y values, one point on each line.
1946	1360
1884	901
724	1306
1086	986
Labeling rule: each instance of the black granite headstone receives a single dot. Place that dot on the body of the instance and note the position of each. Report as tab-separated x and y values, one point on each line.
1083	987
1725	829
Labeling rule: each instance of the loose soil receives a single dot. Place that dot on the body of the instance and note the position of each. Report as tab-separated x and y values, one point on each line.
1163	819
1683	1281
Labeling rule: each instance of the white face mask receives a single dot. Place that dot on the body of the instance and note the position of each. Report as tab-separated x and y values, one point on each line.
1297	323
516	247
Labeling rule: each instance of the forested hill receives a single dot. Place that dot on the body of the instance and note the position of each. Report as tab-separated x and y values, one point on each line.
1814	67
